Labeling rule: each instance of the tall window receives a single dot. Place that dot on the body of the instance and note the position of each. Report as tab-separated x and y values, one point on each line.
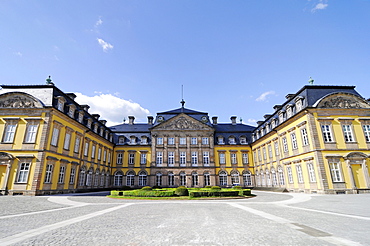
222	158
102	177
142	178
182	179
367	132
304	136
299	174
49	173
119	158
194	141
89	178
274	177
171	179
311	172
270	150
247	179
96	179
159	159
86	152
171	158
77	144
235	178
220	140
62	171
245	158
264	153
131	158
104	154
67	140
31	133
72	177
290	174
194	180
294	141
54	138
159	141
182	159
93	150
24	169
281	176
81	177
347	131
205	141
9	133
99	154
194	158
118	177
268	177
276	148
335	172
233	158
259	155
143	158
207	179
158	179
206	158
171	141
326	132
130	179
285	145
182	141
223	178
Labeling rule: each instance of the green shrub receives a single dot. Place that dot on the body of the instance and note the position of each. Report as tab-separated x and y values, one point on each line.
208	187
245	192
156	187
237	187
215	193
146	188
181	191
148	193
216	188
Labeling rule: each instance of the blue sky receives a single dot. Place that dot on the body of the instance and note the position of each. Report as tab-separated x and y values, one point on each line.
232	57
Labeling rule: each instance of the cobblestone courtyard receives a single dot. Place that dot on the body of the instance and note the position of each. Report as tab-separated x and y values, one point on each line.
268	219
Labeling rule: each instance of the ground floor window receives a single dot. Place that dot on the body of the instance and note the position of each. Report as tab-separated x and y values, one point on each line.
130	178
118	177
48	174
89	178
142	179
274	177
158	179
24	169
281	176
194	179
235	178
335	172
171	179
247	179
182	179
223	178
81	177
207	179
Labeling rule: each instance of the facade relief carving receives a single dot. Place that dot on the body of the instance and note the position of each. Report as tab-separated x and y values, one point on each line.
182	123
18	101
342	101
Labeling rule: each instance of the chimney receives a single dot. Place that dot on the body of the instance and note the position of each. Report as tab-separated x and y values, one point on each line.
85	107
277	107
71	95
103	122
233	120
150	120
96	116
131	120
214	120
267	116
289	96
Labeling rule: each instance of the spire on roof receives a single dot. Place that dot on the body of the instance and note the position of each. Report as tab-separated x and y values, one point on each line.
49	81
311	80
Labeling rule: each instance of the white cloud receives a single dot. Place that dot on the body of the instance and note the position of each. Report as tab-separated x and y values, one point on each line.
98	22
252	122
320	6
263	96
106	46
18	54
112	108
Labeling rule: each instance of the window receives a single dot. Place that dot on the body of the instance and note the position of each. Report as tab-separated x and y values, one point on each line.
81	178
171	159
294	141
109	157
205	141
158	179
289	112
72	177
119	158
367	132
143	158
254	156
311	172
194	158
243	140
347	131
194	179
121	140
299	174
222	158
259	155
49	173
273	124
276	148
235	178
77	145
62	170
159	159
132	140
24	169
31	133
220	140
207	179
223	178
281	176
182	159
298	105
304	136
264	153
89	178
234	159
268	177
96	178
281	117
245	158
269	150
131	158
171	141
182	179
290	174
182	141
274	177
194	140
93	151
99	154
102	177
247	179
326	132
71	111
60	105
118	177
206	158
144	140
54	138
231	140
335	172
285	145
80	117
67	140
130	179
86	152
142	178
159	141
171	179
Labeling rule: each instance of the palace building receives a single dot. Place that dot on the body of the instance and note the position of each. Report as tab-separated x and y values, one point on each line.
317	141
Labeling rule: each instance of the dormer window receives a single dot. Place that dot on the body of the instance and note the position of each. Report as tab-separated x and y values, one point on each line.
106	135
60	104
289	111
144	140
96	128
243	140
80	116
160	119
101	131
121	140
232	140
220	140
273	124
71	111
89	122
132	140
299	103
281	117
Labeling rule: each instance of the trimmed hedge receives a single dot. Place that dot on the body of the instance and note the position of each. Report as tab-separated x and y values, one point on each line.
245	192
181	191
149	193
146	188
220	193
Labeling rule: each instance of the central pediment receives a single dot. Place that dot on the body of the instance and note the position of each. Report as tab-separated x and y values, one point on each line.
182	122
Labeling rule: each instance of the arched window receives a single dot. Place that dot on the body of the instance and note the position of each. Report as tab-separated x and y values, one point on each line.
171	179
102	177
268	177
235	178
118	176
182	179
263	181
194	179
274	177
258	177
82	176
281	175
247	179
143	178
207	179
130	176
223	178
96	178
89	177
158	179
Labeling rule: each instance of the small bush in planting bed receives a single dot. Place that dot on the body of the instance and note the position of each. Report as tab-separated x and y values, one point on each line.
213	193
237	187
216	188
208	187
146	188
181	191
